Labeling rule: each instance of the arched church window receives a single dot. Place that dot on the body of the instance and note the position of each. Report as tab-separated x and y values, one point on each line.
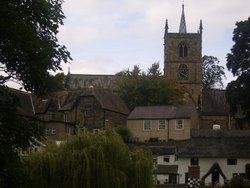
183	50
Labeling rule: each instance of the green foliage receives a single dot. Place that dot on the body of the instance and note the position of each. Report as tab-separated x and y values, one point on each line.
125	133
29	48
29	51
238	62
16	132
138	88
237	182
57	82
90	160
212	73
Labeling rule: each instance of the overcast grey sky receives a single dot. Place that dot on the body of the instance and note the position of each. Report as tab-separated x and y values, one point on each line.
107	36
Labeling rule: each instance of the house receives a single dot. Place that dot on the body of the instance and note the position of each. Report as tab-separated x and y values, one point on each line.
68	112
162	123
165	166
214	156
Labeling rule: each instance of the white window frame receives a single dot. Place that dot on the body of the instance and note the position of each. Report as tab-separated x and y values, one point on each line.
144	125
53	131
159	124
47	131
66	117
167	157
177	124
232	161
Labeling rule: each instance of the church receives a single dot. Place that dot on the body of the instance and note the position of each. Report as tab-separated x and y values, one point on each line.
183	65
200	141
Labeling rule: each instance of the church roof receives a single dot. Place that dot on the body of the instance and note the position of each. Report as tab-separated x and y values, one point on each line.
183	28
83	81
162	112
214	103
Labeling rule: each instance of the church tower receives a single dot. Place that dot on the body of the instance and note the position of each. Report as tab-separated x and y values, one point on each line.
183	59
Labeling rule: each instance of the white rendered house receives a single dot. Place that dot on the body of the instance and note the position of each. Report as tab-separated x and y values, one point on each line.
215	156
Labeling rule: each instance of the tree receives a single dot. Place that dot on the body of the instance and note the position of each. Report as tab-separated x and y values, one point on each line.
29	51
29	48
212	73
90	160
238	62
16	133
138	88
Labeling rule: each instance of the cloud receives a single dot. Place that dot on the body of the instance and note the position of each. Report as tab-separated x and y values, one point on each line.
105	36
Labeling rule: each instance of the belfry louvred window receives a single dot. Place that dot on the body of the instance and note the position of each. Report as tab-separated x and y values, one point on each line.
183	50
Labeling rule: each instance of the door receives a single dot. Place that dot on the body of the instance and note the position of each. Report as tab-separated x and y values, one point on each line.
215	176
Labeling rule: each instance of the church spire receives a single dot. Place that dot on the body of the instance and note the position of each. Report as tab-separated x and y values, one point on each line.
183	28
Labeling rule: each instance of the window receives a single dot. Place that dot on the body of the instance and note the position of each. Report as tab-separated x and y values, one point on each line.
231	161
183	50
96	130
83	128
53	131
179	124
162	124
51	116
195	161
47	131
66	117
88	111
154	161
147	125
166	159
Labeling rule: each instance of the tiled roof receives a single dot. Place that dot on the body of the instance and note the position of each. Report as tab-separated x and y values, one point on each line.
162	112
214	103
217	144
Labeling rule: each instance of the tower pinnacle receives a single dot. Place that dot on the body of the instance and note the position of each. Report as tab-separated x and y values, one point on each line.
183	28
166	28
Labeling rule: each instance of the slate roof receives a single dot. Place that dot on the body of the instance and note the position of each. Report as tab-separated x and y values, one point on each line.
162	150
25	107
166	169
83	81
217	144
162	112
65	100
214	103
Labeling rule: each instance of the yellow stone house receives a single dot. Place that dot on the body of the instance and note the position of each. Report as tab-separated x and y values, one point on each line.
162	123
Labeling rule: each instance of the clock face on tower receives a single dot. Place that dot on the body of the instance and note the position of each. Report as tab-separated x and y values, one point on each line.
183	73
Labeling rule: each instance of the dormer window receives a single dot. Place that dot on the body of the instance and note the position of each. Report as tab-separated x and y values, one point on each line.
183	50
